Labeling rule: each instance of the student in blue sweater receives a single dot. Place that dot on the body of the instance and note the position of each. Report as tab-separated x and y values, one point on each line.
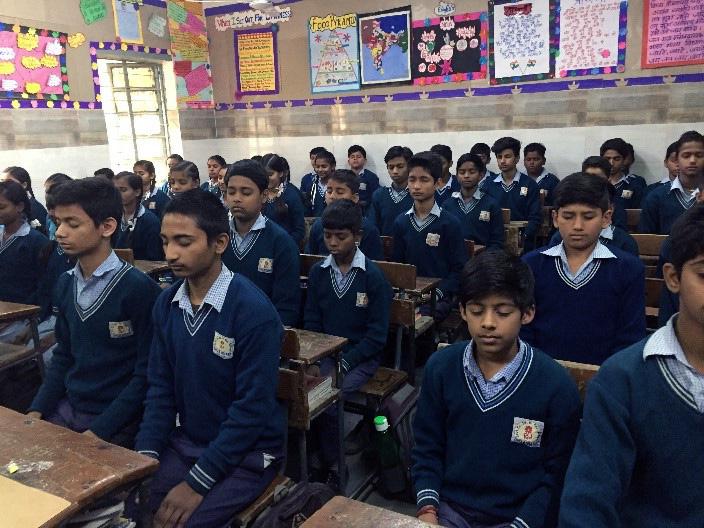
534	162
153	199
215	164
96	381
314	195
629	192
516	191
344	185
347	296
478	213
368	180
139	228
428	237
497	419
184	177
213	364
284	202
390	202
259	248
307	179
666	203
638	459
447	184
484	152
671	167
590	298
601	167
37	213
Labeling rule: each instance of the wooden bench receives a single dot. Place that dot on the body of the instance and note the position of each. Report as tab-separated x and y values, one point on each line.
506	215
649	250
69	465
14	354
632	220
581	373
547	225
125	254
341	512
653	290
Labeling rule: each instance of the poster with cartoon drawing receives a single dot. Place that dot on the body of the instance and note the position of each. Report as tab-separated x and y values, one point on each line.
449	49
384	46
334	50
522	40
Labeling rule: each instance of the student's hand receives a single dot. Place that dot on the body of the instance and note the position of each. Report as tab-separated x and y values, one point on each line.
35	415
177	507
429	518
91	434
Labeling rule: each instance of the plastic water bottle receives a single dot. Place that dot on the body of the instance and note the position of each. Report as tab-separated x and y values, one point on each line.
392	475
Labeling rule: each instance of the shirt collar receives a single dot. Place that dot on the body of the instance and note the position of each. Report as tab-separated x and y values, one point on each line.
358	261
607	232
259	224
477	194
600	252
434	211
506	372
500	178
677	184
666	179
664	342
215	296
109	264
542	175
623	179
24	230
448	184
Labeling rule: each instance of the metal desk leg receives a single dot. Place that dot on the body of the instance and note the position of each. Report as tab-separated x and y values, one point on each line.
34	324
341	463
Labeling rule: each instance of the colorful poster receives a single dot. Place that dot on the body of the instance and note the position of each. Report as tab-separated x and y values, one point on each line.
673	33
592	37
522	41
93	10
384	40
157	25
253	17
128	24
333	43
189	47
256	63
32	63
449	49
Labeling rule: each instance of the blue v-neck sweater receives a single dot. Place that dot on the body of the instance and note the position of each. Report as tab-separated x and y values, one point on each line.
144	240
468	451
100	362
660	209
384	209
638	459
481	220
20	268
522	197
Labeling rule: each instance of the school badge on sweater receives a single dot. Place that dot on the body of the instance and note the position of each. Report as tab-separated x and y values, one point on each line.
432	239
485	216
223	346
265	265
528	432
120	329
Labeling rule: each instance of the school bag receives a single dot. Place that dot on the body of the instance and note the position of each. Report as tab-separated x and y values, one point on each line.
291	511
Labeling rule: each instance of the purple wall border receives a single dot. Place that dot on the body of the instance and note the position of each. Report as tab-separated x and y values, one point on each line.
155	3
526	88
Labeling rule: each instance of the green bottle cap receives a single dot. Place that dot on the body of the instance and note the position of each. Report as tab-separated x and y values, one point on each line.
381	423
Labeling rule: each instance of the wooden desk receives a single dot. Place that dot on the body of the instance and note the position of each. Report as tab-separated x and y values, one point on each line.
424	285
151	267
11	355
315	346
341	512
69	465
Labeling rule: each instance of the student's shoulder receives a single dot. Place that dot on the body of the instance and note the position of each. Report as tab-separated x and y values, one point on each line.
137	283
551	372
536	257
626	261
445	360
150	218
368	226
373	270
450	219
624	366
527	181
278	233
36	238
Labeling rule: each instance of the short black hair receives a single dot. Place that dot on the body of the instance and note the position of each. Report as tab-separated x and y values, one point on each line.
429	161
97	196
22	176
673	149
177	157
534	147
507	143
472	158
687	237
189	168
204	208
16	194
495	272
442	150
218	159
259	159
276	163
582	188
327	156
343	214
398	152
357	148
348	178
147	165
597	162
133	181
617	144
316	150
481	149
630	151
253	170
105	172
57	177
691	136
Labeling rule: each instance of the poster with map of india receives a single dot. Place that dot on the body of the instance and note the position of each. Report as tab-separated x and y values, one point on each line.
384	39
333	43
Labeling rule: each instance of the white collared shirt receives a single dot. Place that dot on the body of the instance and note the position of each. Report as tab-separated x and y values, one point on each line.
542	175
129	223
476	196
607	232
676	184
23	230
600	252
88	290
241	241
500	178
664	343
358	261
214	298
447	185
435	211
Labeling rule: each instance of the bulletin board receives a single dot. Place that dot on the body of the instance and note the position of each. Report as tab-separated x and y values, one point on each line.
673	33
256	63
333	44
128	23
32	63
385	38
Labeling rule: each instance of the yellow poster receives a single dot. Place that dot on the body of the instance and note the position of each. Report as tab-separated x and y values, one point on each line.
256	62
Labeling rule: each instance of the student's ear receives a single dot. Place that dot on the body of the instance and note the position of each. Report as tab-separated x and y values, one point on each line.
606	218
107	227
265	196
463	312
358	238
221	241
554	213
672	281
528	315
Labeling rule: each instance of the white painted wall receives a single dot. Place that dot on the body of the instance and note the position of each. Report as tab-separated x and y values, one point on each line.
566	147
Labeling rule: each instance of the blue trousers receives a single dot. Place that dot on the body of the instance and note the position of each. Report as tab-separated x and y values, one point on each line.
230	495
454	516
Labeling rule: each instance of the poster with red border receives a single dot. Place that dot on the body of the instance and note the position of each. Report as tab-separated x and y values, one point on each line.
673	33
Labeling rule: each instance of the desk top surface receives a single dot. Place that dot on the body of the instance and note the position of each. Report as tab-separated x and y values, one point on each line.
151	266
10	311
69	465
425	285
315	346
341	512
